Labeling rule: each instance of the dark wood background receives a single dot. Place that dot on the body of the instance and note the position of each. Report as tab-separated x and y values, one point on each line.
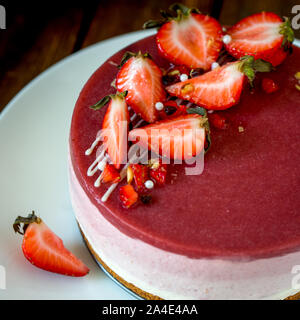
38	34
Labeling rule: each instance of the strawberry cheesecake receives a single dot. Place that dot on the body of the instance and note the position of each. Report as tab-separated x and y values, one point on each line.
195	95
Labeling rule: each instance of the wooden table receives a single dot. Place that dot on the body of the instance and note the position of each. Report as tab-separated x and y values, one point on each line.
39	34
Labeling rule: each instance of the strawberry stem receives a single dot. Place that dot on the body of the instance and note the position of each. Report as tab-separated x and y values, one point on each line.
177	11
249	66
288	34
26	221
101	103
127	55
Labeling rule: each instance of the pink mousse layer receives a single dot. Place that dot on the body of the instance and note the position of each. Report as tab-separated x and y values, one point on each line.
173	276
246	202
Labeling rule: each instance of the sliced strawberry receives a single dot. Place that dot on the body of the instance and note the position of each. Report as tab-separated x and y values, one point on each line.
187	37
220	88
140	175
128	196
115	127
176	138
158	171
142	79
259	35
190	39
110	174
45	250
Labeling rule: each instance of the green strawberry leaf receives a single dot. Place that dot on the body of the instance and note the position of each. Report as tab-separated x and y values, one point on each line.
101	103
249	66
288	34
198	110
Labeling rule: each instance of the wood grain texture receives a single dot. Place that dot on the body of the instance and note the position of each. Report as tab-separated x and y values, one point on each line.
39	34
31	44
118	17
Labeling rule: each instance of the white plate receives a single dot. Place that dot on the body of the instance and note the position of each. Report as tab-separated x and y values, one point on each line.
34	130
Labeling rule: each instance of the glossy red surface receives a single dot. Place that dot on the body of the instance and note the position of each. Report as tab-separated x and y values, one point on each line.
245	204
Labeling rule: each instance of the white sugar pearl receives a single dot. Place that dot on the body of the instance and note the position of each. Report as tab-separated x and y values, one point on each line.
224	29
226	39
183	77
149	184
159	106
214	65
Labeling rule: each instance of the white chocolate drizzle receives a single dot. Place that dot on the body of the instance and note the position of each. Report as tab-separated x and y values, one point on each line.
114	185
94	166
90	150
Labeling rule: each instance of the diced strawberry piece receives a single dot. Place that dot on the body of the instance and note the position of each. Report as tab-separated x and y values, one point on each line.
140	175
45	250
193	40
115	130
269	85
128	196
218	121
175	138
159	173
259	35
110	174
142	79
217	89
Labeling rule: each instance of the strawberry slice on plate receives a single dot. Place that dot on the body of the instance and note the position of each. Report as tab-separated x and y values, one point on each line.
188	37
263	35
220	88
115	127
142	79
45	250
178	138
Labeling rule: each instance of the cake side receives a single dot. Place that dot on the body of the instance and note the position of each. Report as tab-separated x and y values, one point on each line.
171	276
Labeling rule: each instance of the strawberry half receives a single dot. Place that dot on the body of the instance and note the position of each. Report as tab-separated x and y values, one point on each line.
260	35
142	79
176	138
45	250
188	37
220	88
115	127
